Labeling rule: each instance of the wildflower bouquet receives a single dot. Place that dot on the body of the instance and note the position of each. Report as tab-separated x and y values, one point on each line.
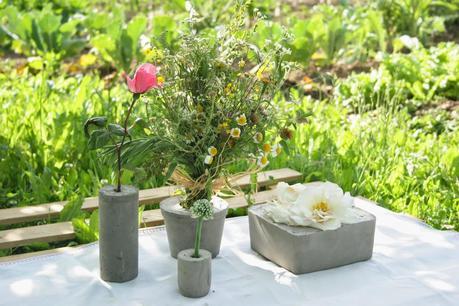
213	109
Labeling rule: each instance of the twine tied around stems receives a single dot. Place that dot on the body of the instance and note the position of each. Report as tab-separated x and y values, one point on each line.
206	183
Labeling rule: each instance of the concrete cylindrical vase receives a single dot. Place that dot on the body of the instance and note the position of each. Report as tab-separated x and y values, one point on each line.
118	233
194	274
181	228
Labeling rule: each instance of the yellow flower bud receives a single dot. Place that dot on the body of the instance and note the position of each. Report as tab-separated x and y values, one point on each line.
212	151
267	148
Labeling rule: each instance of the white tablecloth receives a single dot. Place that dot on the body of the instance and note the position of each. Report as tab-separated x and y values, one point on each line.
412	264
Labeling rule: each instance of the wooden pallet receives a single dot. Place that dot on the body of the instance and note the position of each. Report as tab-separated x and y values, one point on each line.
62	231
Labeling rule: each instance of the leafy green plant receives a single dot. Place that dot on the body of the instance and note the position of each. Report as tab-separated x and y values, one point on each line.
41	32
333	37
417	77
117	42
72	209
411	17
144	79
329	34
64	7
304	41
87	231
165	32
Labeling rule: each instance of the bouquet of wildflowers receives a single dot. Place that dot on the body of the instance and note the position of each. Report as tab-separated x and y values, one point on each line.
215	107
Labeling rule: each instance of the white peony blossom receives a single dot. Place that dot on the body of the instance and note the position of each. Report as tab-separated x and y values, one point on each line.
324	206
286	194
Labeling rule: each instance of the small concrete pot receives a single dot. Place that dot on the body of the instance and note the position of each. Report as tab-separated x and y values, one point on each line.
181	228
306	249
194	274
118	233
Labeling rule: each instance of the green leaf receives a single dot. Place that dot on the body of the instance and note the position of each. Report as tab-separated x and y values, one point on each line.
37	37
141	209
97	121
37	246
49	22
73	46
105	45
70	26
96	20
94	223
83	231
72	210
116	129
141	122
285	147
164	31
136	27
130	40
138	128
170	170
98	139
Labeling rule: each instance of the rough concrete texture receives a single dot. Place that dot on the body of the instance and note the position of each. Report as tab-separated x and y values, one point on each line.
305	249
181	228
194	274
118	233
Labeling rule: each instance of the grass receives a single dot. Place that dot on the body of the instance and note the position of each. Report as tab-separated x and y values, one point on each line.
43	150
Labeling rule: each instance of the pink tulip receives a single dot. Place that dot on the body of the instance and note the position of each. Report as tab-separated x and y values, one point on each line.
144	79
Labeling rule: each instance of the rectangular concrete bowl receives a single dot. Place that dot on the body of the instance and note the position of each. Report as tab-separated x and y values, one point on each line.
305	249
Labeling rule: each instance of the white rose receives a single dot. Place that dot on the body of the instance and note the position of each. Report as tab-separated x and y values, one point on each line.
287	194
324	206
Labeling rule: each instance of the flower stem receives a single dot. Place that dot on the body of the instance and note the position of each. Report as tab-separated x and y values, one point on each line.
197	239
119	147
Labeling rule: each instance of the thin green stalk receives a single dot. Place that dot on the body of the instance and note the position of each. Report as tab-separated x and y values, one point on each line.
119	147
197	240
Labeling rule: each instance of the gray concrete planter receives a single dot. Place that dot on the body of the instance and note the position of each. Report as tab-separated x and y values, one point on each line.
194	274
305	249
181	228
118	233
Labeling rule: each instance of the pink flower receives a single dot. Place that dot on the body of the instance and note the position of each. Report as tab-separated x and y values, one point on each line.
144	79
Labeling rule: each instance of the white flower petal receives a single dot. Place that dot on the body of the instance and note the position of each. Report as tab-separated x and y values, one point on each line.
323	205
330	225
277	213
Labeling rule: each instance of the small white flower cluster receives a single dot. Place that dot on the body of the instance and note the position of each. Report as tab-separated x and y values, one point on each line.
202	209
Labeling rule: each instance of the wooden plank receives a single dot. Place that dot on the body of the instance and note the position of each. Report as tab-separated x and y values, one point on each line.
52	210
64	230
147	196
270	177
154	218
40	233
